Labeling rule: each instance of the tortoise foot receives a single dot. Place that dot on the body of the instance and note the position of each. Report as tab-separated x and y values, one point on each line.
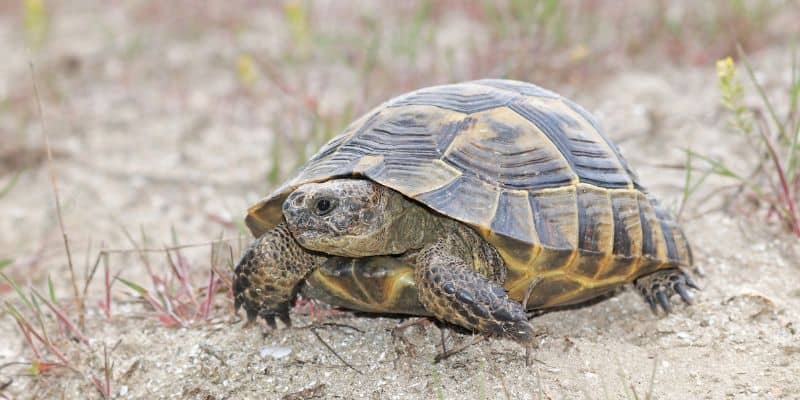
258	309
657	288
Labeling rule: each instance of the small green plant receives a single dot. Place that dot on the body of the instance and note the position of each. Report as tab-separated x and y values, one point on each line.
35	22
480	378
6	189
437	383
174	299
773	180
50	349
732	96
246	70
296	15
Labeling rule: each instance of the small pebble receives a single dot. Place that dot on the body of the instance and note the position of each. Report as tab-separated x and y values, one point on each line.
275	352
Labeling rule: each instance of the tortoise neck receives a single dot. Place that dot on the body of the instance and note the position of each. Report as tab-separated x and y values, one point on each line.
418	226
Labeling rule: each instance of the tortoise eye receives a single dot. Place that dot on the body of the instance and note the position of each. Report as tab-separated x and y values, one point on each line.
324	206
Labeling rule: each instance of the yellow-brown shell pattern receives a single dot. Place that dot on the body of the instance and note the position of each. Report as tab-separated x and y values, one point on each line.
529	170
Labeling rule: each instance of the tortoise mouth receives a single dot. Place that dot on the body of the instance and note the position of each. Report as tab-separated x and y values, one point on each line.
306	229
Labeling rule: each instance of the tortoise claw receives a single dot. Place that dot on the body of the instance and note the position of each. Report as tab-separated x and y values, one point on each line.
251	314
255	310
284	317
659	286
281	313
690	283
664	301
680	288
269	318
652	302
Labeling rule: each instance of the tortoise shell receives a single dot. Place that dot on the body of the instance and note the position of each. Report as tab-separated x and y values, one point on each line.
530	171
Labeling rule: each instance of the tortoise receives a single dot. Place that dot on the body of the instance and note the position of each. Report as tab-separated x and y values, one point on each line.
474	203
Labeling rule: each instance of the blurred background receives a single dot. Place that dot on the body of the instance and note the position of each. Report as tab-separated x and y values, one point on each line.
181	113
166	119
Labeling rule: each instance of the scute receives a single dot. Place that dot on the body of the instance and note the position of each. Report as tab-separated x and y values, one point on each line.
612	146
514	217
524	88
584	148
466	196
499	148
555	214
529	170
463	97
595	219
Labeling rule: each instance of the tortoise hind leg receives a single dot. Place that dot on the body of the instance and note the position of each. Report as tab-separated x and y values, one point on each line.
658	287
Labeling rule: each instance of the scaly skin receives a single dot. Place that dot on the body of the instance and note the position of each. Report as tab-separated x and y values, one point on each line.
453	289
267	276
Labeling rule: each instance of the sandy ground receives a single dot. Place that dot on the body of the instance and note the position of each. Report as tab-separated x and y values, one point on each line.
157	133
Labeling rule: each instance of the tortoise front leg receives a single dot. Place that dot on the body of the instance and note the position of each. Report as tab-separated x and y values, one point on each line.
267	276
453	291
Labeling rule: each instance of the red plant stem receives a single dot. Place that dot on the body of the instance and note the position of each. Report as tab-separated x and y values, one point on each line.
28	339
787	195
209	295
61	316
168	312
180	271
108	292
100	387
47	343
107	372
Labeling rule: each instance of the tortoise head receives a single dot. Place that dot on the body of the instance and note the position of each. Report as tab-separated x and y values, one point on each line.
347	217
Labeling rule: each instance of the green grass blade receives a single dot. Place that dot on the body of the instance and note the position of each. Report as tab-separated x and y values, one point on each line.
174	234
14	312
690	188
51	290
481	381
687	182
720	169
437	383
794	115
17	289
36	307
241	227
539	388
135	287
717	167
274	173
649	395
10	185
775	119
5	262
